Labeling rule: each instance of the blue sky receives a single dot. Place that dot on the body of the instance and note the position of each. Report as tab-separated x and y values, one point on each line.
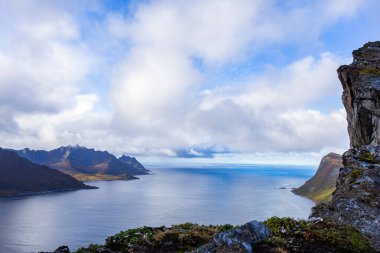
180	81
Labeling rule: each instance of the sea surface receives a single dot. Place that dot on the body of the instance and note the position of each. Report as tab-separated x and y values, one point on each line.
213	194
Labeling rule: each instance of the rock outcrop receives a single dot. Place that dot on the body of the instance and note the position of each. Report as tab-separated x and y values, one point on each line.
361	95
240	239
320	187
356	200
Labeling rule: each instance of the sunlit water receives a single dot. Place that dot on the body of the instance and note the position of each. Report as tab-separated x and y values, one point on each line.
211	195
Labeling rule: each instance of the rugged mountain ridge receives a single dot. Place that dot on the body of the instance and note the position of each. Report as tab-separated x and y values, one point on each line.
320	187
356	200
80	161
20	176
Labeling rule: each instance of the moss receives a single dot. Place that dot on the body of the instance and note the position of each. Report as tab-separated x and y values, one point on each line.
92	248
287	235
279	226
177	238
367	156
343	237
355	174
302	236
324	196
370	71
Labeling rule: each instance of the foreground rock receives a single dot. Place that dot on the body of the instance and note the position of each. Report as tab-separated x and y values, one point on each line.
276	235
361	95
321	186
241	239
19	176
356	199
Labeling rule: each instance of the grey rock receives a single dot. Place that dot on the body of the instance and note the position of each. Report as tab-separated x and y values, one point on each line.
240	239
361	95
355	201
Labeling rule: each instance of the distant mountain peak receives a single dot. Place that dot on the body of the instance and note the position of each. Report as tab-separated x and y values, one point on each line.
78	159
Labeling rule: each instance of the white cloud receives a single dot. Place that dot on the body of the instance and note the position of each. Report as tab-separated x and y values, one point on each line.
151	67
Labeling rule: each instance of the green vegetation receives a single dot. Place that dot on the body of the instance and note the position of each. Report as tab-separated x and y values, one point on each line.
323	236
356	173
370	71
320	187
287	235
177	238
367	156
97	177
322	195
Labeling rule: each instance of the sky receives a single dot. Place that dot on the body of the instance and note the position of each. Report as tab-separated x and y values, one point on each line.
200	81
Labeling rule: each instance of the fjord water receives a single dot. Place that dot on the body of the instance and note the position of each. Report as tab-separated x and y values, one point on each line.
207	195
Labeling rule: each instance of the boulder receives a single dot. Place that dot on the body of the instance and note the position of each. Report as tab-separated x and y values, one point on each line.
240	239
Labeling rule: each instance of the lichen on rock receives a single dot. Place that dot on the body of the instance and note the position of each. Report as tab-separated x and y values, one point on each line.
314	235
241	239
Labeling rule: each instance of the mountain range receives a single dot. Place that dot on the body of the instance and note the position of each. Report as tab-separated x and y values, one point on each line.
86	164
20	176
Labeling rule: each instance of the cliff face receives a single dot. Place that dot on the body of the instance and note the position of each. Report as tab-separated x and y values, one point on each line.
356	199
361	95
20	176
320	187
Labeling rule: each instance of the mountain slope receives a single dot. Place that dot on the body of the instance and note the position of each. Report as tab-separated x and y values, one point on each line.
20	176
135	166
320	187
84	163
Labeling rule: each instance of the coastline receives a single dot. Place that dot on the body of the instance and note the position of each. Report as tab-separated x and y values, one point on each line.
22	194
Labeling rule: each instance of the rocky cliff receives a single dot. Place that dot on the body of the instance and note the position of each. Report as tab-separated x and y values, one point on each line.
356	199
320	187
361	95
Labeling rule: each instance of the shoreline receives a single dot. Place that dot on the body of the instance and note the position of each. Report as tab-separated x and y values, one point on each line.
90	187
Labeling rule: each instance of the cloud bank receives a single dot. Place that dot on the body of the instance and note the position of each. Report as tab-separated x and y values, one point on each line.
175	78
